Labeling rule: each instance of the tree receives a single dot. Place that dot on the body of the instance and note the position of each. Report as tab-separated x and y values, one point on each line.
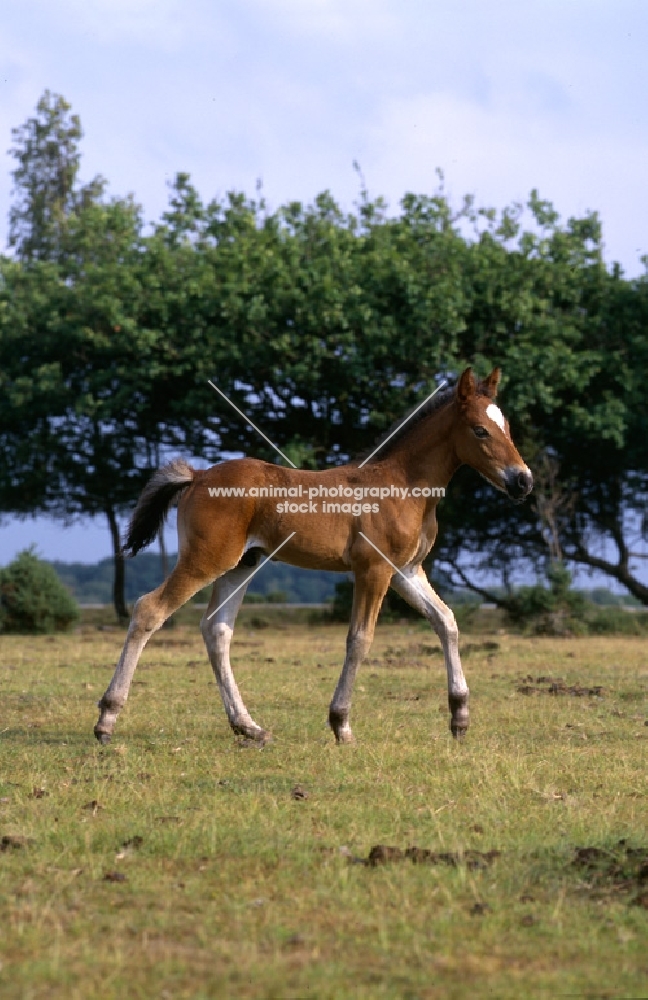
45	190
69	353
324	327
571	338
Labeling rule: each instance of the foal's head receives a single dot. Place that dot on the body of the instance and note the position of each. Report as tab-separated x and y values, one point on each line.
483	440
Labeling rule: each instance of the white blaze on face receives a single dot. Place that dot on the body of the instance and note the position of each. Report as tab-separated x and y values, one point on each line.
496	416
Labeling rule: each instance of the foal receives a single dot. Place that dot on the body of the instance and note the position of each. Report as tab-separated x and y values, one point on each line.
229	519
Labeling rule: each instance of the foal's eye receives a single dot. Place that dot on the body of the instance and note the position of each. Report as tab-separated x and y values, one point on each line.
480	431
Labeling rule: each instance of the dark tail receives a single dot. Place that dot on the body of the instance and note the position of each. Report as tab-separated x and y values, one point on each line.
153	505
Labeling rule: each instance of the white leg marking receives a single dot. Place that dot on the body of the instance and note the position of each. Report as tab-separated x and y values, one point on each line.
415	588
149	613
217	630
148	617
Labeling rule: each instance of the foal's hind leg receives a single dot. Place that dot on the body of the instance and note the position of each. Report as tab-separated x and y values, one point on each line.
217	629
149	614
370	588
415	587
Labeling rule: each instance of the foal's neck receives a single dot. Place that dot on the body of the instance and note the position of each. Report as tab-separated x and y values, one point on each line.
426	453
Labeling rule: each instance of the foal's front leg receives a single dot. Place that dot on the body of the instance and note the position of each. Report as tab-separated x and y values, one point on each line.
368	592
415	587
217	630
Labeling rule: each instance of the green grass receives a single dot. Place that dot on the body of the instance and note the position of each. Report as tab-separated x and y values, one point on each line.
237	889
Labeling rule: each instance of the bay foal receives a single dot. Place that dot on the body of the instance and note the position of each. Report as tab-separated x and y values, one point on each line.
221	537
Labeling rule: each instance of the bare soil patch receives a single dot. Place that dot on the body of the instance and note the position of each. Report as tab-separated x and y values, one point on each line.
620	870
558	686
380	854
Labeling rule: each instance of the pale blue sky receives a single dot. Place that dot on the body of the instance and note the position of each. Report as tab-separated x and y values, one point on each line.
502	96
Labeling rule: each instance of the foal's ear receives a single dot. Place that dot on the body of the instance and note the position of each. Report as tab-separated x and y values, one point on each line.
490	383
466	386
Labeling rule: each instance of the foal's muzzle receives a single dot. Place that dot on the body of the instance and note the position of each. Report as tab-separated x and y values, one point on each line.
518	482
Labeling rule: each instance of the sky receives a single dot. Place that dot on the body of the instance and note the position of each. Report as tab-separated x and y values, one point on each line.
503	97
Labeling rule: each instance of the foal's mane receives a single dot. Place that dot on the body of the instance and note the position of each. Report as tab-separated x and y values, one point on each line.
403	425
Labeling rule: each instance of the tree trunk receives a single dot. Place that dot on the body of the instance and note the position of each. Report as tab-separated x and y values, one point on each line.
119	580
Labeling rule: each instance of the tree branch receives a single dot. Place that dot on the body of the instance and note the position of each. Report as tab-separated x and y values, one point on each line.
488	596
619	570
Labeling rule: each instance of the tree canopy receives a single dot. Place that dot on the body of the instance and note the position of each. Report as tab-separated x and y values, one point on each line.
324	326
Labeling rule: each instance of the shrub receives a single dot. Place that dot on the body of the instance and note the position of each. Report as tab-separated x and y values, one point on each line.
33	599
553	610
277	597
342	601
616	621
560	611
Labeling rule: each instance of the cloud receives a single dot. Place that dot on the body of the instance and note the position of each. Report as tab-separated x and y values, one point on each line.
504	97
150	23
342	22
500	153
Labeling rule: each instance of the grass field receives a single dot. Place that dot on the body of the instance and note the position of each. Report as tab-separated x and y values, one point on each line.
176	862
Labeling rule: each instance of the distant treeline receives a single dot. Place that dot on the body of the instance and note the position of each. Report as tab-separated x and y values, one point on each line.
92	583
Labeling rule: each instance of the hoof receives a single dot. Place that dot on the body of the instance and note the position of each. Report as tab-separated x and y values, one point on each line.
254	743
103	738
459	715
339	723
253	733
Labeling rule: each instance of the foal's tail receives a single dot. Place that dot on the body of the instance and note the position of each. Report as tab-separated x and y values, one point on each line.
154	502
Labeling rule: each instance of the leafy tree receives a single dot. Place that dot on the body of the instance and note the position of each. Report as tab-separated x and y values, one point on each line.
69	368
571	338
46	192
324	327
82	419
